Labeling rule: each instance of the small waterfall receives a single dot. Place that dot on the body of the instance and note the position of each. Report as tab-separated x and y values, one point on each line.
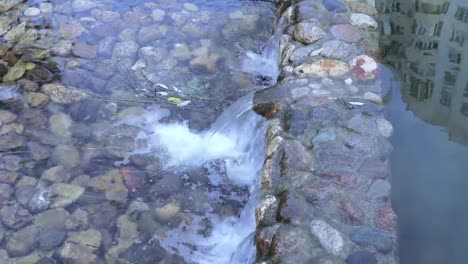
237	138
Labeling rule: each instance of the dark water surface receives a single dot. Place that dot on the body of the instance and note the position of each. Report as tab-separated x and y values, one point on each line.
425	43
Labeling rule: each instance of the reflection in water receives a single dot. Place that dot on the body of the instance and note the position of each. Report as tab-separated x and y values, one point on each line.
424	42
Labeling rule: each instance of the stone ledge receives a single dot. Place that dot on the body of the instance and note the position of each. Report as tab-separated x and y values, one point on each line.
326	195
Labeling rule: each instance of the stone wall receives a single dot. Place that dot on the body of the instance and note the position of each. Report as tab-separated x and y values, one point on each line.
325	179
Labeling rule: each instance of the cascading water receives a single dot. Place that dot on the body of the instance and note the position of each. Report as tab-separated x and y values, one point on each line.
236	140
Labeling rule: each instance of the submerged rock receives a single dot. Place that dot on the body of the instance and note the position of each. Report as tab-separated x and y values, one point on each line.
63	95
374	237
330	239
361	257
63	194
23	242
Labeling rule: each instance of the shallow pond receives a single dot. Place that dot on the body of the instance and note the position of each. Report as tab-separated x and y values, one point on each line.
425	42
110	152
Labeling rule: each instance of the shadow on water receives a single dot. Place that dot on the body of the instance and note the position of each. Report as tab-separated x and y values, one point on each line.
424	42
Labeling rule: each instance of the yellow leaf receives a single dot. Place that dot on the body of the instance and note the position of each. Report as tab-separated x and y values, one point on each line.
174	100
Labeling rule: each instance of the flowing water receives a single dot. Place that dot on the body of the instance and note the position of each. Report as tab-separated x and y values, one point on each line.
127	134
425	44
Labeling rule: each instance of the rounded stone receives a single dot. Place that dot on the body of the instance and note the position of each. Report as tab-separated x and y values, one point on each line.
368	236
167	212
308	33
335	6
346	32
363	21
330	239
32	11
323	68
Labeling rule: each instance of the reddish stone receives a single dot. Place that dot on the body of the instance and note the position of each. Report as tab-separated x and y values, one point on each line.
374	168
319	194
133	178
346	32
341	178
352	211
385	217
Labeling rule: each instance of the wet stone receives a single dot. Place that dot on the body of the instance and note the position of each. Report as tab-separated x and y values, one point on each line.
368	236
8	176
330	239
361	257
50	239
292	245
127	49
363	21
346	32
15	217
23	194
63	194
53	218
335	6
22	242
10	163
308	33
336	49
63	95
38	151
385	217
145	253
84	50
380	189
169	184
263	240
66	155
352	211
5	192
40	201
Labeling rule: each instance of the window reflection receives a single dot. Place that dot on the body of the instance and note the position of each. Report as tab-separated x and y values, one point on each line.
424	40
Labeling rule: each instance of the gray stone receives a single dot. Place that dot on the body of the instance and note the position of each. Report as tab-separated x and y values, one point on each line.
330	239
106	46
363	21
32	11
15	217
361	257
368	236
126	49
5	193
50	239
292	245
151	33
23	242
60	124
84	50
4	25
38	151
152	55
336	49
7	117
66	155
335	6
40	201
10	163
346	32
83	5
63	194
53	218
380	189
308	33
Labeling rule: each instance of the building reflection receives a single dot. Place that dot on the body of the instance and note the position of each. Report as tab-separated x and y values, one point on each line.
426	41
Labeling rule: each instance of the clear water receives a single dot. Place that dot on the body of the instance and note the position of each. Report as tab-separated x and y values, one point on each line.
176	126
425	43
